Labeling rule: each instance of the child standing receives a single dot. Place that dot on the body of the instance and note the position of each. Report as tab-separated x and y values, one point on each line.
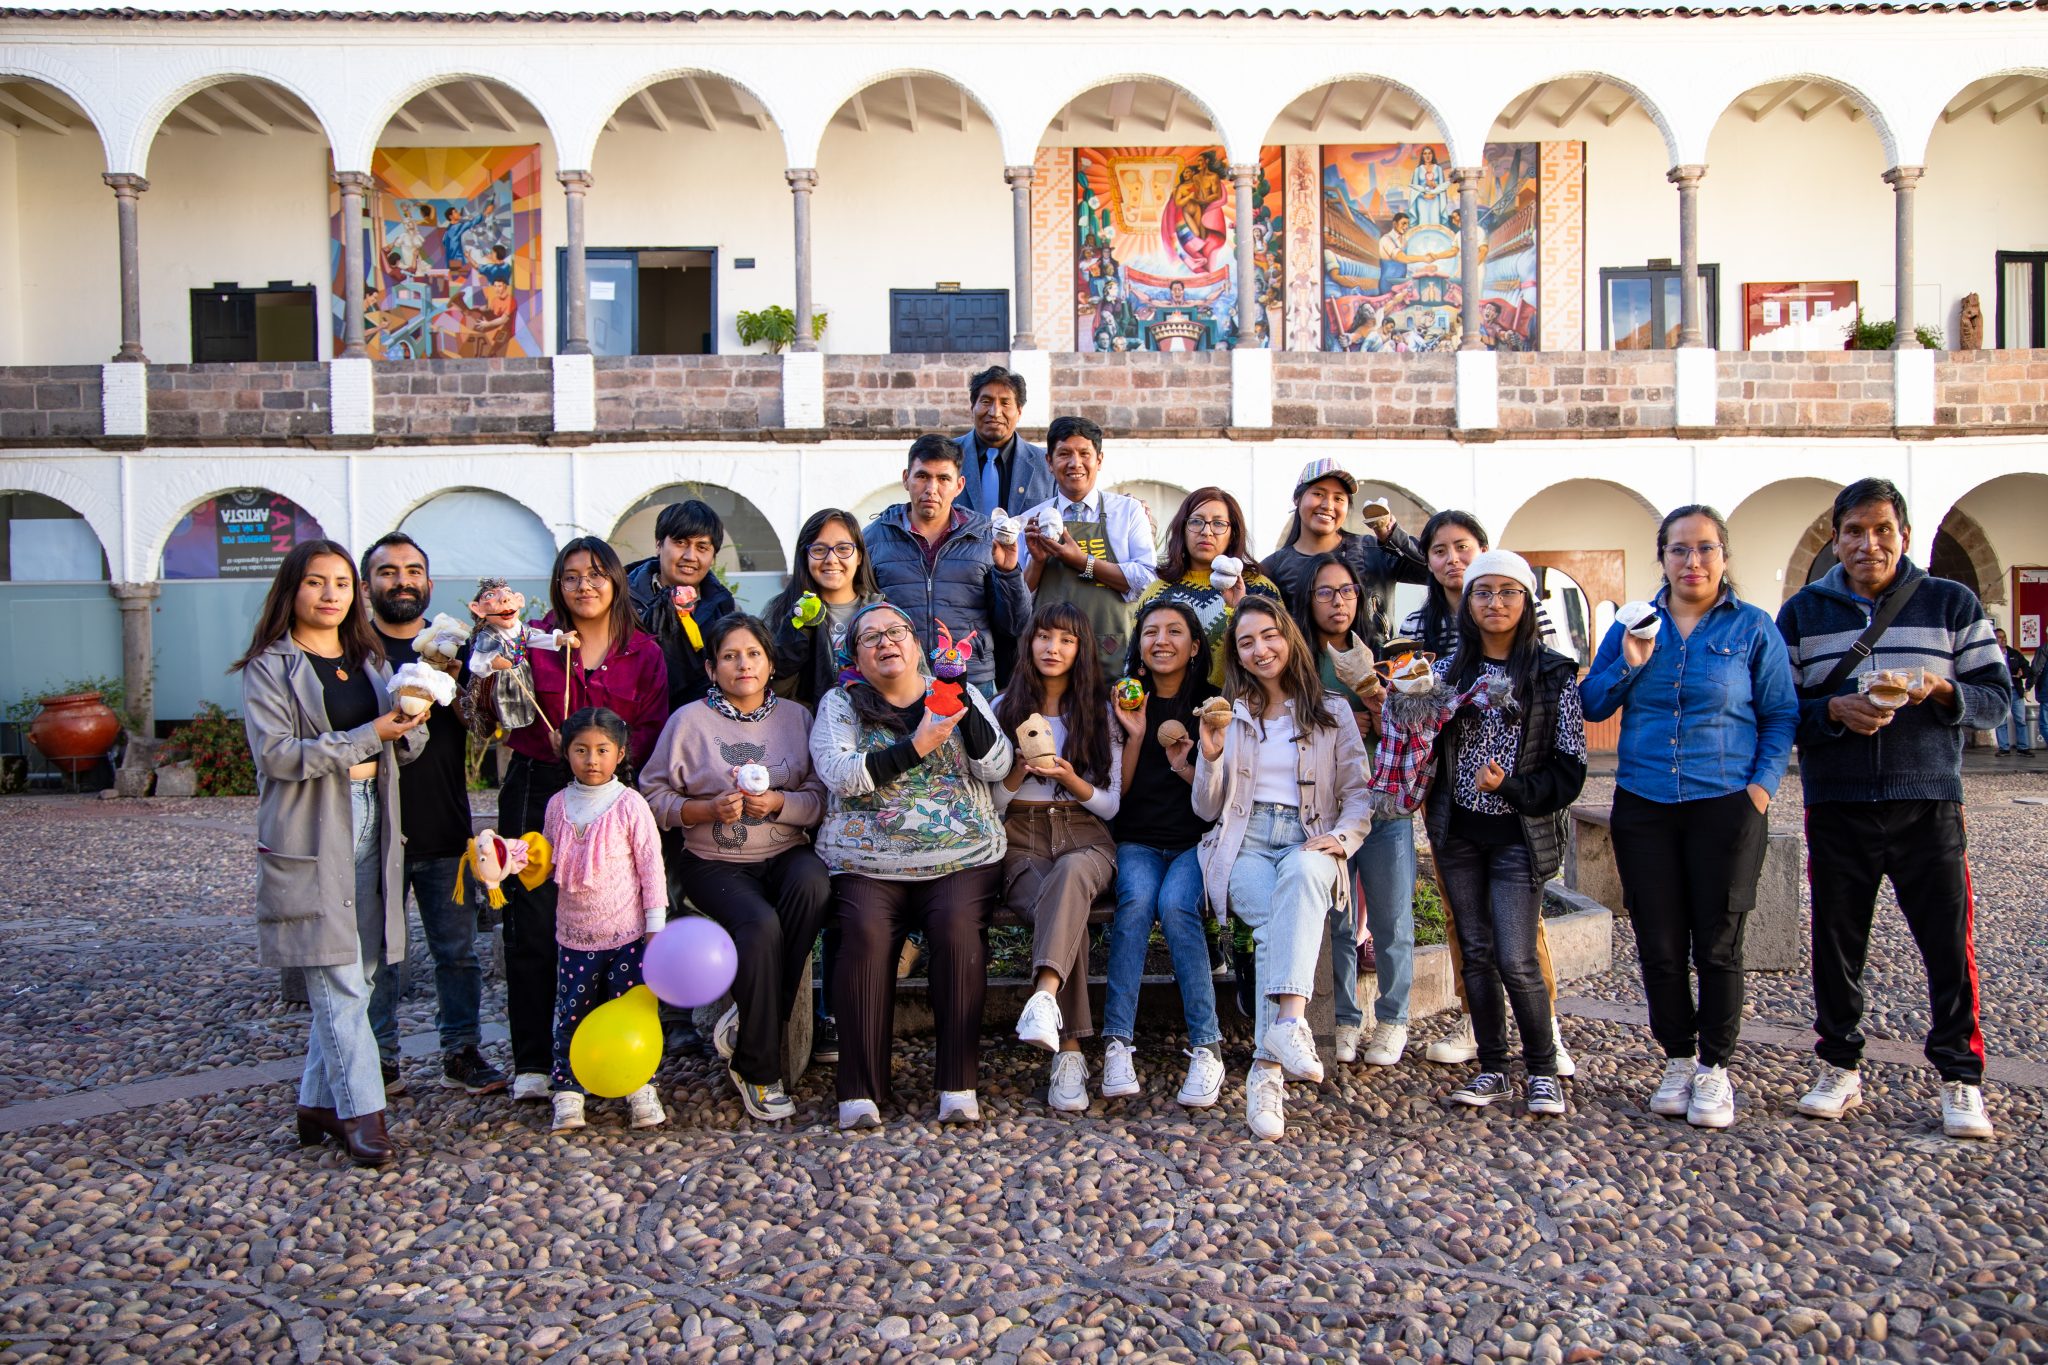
613	896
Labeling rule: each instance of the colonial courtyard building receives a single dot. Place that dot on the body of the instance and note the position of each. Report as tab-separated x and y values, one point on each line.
499	274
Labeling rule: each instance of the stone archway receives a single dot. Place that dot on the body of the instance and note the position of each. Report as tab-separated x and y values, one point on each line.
1971	547
1799	568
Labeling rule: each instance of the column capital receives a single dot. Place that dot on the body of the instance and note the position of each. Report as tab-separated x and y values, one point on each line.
124	185
1686	177
358	181
1904	177
1013	176
134	596
1244	172
802	179
576	182
1461	176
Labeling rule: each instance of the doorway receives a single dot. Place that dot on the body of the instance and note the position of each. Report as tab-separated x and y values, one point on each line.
646	300
274	323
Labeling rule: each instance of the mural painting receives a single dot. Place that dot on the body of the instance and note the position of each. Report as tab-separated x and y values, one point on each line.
1155	249
452	260
1391	264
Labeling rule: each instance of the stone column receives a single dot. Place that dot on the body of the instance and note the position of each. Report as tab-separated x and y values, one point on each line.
126	188
801	183
1020	179
1245	178
1903	180
576	284
355	190
1687	178
138	651
1468	179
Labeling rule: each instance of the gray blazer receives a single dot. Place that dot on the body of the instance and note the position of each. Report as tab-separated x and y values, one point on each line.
1031	480
305	832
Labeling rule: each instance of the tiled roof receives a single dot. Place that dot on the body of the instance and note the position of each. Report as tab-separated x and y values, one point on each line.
607	11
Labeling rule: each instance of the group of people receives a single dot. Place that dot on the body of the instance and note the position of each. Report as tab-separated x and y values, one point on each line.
954	713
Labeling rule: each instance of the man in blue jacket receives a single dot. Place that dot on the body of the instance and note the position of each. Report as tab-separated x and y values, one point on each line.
1884	791
939	562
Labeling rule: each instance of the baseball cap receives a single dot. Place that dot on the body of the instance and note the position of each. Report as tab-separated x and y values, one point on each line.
1326	468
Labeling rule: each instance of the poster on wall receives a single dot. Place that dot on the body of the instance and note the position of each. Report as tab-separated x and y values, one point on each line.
1822	311
452	258
1155	248
243	534
2029	605
1391	244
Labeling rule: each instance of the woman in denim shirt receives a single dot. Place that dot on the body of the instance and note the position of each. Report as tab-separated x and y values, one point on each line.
1708	714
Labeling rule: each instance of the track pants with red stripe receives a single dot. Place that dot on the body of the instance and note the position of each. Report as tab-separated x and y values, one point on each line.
1850	847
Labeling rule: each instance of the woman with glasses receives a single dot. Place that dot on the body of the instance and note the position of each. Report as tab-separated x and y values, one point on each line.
1508	764
1208	524
832	567
912	839
615	665
1708	713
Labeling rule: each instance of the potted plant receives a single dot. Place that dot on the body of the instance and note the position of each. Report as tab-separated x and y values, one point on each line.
775	326
1865	335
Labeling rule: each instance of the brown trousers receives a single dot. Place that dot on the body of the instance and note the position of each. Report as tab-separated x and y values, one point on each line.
1061	858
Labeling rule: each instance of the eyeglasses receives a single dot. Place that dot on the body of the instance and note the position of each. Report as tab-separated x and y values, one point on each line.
584	580
1337	592
844	550
1508	595
870	639
1220	525
1686	554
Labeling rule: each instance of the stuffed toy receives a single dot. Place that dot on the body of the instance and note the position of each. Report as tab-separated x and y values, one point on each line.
494	858
1129	694
751	778
1639	619
806	611
498	650
1224	571
1408	673
418	685
949	666
1035	744
443	641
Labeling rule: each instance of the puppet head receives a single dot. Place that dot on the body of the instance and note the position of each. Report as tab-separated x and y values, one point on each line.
496	604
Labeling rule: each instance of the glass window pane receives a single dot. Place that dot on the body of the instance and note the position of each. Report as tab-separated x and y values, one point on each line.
1671	310
1628	313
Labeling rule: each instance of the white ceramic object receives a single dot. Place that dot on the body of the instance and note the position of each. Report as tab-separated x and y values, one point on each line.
1225	570
1006	527
752	778
1639	619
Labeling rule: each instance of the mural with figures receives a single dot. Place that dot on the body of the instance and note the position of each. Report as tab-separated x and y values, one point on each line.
452	259
1391	265
1155	249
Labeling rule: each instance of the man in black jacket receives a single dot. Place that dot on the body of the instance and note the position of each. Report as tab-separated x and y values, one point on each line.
2014	732
688	537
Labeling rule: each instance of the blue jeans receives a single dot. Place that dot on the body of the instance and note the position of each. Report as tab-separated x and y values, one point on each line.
1386	870
341	1053
1493	892
1284	892
2016	723
1152	884
2041	719
450	930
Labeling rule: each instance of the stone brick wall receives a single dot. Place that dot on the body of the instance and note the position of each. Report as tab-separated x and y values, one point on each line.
689	392
1334	393
1781	392
1584	392
901	393
1138	393
49	402
1991	389
254	401
438	399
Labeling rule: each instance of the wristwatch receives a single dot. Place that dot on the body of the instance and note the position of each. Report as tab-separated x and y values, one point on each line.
1088	569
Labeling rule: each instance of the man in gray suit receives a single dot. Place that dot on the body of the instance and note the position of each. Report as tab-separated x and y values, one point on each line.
1000	468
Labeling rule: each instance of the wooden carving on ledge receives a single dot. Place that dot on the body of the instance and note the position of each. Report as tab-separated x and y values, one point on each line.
1970	325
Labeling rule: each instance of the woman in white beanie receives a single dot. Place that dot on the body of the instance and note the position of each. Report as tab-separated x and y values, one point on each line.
1508	766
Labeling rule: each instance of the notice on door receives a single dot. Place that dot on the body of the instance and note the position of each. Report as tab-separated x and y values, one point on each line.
603	291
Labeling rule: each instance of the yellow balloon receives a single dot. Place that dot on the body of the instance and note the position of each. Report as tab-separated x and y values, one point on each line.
617	1047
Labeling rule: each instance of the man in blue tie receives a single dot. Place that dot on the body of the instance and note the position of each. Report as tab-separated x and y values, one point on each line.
999	468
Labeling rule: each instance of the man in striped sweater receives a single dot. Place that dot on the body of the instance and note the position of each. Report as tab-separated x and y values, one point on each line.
1884	792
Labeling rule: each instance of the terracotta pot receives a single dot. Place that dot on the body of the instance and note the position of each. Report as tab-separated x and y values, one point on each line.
74	732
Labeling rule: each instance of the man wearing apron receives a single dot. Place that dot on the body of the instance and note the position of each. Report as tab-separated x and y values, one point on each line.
1104	554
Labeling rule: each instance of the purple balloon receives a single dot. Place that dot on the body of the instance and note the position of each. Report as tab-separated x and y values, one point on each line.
691	962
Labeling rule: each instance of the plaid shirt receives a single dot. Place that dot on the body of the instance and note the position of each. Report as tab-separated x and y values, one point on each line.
1403	763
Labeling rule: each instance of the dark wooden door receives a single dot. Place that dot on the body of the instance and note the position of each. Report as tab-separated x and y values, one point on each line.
929	321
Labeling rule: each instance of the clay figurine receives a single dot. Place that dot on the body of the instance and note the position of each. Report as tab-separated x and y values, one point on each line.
1129	694
443	641
1224	571
1006	527
751	778
418	685
1035	744
806	611
1354	666
1639	619
1172	734
684	598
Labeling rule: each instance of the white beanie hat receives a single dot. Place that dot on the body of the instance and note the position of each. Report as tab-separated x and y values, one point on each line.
1503	564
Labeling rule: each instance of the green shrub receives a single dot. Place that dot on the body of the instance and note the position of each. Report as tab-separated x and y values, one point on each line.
775	326
218	748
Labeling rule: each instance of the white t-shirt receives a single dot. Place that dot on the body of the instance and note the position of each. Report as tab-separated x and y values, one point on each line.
1277	777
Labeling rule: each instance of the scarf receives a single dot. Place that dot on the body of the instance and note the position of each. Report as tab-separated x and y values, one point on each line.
715	699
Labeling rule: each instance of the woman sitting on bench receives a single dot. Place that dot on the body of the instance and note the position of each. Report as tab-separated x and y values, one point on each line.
1055	805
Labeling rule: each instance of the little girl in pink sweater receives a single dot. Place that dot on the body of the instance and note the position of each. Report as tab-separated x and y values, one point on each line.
614	896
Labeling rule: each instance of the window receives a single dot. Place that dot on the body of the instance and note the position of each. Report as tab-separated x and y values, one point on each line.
645	301
275	322
1639	307
2021	316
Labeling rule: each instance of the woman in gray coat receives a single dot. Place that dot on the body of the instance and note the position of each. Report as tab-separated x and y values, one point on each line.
327	743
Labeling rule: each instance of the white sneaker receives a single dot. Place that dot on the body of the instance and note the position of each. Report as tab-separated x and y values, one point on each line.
1835	1092
1347	1042
1674	1092
1119	1073
1565	1065
725	1034
1204	1083
1265	1100
855	1114
1039	1024
1293	1045
1389	1041
1069	1090
643	1109
531	1087
568	1111
1456	1047
1962	1111
959	1106
1713	1098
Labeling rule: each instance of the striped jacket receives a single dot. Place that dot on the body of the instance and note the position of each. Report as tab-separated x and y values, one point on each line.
1919	756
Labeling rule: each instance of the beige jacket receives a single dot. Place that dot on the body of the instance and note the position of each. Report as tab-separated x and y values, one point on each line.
1332	769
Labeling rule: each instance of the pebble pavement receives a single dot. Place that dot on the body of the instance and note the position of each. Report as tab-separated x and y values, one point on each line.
1384	1227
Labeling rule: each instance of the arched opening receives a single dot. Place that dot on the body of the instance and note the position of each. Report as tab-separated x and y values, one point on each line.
1161	501
469	533
461	210
1796	291
752	562
1595	544
2001	528
60	297
243	533
43	540
878	502
1148	246
659	250
1773	537
57	621
1989	245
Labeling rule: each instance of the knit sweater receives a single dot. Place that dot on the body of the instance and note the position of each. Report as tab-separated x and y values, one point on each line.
610	878
1919	755
695	758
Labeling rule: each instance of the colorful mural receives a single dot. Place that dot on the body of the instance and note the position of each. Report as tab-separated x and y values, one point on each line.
453	254
1391	245
1155	249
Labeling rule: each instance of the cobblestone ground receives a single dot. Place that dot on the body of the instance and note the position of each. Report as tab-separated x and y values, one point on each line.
1384	1226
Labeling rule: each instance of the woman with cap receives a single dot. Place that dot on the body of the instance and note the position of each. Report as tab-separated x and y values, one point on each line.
1383	557
1508	764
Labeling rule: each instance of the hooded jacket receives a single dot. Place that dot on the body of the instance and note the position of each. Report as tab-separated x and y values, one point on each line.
687	681
962	588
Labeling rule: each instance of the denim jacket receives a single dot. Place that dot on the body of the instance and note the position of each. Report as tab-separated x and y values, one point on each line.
1707	715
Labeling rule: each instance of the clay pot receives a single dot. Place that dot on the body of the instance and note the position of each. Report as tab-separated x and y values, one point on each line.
74	732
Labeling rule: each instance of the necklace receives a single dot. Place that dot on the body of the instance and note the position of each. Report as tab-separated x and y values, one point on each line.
338	665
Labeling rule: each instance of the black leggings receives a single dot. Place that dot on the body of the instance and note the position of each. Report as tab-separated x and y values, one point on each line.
772	909
529	920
